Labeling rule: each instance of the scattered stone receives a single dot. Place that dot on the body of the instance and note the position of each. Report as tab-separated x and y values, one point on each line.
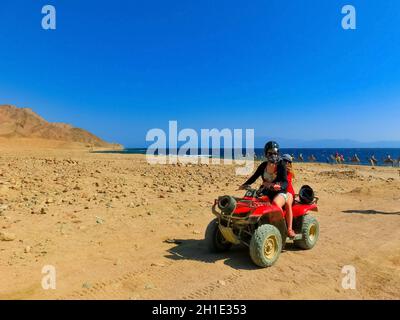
27	249
7	236
149	286
99	220
87	285
173	241
221	282
158	264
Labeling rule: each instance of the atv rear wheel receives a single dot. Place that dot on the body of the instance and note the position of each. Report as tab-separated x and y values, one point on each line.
216	242
309	232
265	245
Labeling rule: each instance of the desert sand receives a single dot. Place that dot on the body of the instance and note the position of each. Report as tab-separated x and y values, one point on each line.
102	220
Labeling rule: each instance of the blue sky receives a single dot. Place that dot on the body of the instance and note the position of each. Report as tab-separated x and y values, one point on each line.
285	68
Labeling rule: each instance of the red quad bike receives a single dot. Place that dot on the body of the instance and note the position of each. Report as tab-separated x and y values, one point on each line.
260	225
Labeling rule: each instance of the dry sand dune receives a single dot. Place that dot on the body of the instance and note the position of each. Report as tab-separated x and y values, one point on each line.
102	221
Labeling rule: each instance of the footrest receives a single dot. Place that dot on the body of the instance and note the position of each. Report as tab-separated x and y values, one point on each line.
297	237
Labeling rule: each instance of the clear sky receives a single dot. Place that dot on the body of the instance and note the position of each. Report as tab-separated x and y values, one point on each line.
285	68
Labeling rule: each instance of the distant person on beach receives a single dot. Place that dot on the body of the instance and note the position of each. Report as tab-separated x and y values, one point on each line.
373	160
389	160
273	172
300	157
312	158
337	158
355	159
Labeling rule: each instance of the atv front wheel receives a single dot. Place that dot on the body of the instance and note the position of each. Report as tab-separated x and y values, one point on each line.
216	242
309	232
265	245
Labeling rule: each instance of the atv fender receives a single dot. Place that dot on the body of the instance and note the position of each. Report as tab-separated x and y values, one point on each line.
273	212
302	209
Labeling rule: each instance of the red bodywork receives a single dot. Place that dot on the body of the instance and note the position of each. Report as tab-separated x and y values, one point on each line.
262	206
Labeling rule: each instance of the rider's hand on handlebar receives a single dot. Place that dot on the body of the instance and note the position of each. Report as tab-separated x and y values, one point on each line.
276	187
267	185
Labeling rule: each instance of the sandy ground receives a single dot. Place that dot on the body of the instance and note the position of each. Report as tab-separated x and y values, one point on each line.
102	220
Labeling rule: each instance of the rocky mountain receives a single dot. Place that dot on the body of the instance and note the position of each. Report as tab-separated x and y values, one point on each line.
25	123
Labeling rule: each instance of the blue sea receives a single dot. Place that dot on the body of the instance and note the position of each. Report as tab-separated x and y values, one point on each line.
323	155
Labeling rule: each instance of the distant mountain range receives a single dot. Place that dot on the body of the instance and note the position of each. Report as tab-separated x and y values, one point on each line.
24	123
326	143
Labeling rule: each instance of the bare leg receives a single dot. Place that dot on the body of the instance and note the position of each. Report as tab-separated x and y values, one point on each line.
279	200
289	215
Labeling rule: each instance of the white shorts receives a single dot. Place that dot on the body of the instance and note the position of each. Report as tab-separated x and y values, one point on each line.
284	195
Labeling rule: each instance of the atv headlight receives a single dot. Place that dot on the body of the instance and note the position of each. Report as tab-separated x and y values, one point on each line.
227	204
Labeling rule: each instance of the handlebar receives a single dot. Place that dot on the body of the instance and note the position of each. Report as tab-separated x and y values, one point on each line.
255	191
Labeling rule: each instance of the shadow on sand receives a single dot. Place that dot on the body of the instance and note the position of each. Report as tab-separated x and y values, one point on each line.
196	250
371	212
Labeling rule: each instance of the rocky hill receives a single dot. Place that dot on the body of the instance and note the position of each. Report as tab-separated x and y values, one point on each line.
25	123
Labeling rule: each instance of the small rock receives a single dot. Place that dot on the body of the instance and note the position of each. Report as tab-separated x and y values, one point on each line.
7	236
27	249
99	220
158	264
149	286
87	285
221	282
117	262
173	241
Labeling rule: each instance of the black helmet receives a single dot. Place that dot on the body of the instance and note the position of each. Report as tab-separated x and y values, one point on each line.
271	146
306	195
271	151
